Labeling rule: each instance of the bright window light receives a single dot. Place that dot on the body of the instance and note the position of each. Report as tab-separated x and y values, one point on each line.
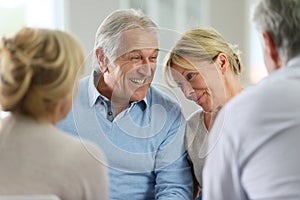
35	13
45	14
11	3
16	14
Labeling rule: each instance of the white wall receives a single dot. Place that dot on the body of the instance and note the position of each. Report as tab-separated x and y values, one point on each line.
231	19
84	17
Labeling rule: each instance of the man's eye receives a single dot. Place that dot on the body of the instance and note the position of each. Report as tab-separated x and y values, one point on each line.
135	58
189	76
153	58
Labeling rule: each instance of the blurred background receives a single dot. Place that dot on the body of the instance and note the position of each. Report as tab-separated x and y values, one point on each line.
232	18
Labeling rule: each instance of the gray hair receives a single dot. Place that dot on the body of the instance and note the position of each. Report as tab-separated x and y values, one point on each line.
281	18
109	32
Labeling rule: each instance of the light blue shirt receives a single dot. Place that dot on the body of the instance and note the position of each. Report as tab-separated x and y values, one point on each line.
144	144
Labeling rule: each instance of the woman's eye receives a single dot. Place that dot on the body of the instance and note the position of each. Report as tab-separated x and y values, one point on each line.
189	76
178	84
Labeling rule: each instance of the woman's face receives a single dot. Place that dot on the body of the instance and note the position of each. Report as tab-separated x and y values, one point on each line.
202	85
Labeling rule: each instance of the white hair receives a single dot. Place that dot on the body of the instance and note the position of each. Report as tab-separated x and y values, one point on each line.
109	32
281	18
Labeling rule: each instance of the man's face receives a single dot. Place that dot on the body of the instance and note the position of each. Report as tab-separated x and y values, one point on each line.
129	76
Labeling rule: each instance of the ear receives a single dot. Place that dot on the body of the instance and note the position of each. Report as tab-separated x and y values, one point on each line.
222	62
270	48
61	108
101	59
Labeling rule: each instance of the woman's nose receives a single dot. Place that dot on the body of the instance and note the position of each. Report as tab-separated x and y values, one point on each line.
189	92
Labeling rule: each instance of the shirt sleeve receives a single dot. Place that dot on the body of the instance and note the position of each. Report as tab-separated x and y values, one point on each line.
221	176
173	173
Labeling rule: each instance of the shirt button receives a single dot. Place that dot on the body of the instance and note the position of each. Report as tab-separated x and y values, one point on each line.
109	113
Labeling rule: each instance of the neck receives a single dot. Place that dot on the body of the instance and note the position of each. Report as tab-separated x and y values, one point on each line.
119	107
209	118
118	103
104	89
232	88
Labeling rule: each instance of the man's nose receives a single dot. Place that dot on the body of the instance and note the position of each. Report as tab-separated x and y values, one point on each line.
146	68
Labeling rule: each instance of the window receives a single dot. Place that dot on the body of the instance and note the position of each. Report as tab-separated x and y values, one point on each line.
257	69
177	15
35	13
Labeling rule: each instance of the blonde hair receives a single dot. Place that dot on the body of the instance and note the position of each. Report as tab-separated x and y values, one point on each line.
201	44
37	68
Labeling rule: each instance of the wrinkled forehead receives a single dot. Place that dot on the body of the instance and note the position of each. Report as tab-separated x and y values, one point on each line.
137	39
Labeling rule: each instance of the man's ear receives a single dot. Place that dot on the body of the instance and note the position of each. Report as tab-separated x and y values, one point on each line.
271	48
223	63
102	60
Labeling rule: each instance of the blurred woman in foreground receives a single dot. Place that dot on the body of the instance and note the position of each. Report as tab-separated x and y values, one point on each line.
38	70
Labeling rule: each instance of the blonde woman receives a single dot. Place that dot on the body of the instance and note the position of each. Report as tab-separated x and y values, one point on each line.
206	68
38	69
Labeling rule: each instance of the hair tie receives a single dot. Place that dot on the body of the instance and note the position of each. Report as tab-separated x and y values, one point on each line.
9	45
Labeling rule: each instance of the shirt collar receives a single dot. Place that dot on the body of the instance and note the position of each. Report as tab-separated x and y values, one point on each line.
93	93
294	61
142	103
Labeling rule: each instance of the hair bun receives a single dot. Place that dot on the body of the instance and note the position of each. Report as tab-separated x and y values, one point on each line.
236	55
15	73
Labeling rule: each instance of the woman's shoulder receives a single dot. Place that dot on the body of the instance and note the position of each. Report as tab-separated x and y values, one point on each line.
195	126
195	118
79	146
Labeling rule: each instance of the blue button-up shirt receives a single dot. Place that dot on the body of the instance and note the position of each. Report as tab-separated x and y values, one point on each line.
144	144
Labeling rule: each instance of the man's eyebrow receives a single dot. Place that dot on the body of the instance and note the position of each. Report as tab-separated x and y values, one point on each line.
134	51
139	51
